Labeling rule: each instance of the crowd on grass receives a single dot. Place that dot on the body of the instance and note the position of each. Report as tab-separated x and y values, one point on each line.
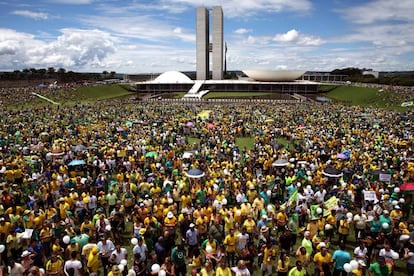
126	188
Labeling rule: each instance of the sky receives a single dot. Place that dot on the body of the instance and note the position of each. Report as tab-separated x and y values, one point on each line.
154	36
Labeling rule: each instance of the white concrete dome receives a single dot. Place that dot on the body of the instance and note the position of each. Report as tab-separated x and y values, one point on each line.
172	77
274	75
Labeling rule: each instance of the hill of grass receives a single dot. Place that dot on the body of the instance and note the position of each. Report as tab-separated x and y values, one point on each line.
363	96
102	92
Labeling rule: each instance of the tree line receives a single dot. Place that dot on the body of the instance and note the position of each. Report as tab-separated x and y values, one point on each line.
52	73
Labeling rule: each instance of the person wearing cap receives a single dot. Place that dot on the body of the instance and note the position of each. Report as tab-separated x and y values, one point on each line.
115	271
360	270
192	238
385	218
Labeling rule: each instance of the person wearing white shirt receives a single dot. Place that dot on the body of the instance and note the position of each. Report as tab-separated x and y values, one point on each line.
120	254
106	247
140	249
73	264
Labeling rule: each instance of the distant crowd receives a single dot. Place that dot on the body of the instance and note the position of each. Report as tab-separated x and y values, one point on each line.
126	188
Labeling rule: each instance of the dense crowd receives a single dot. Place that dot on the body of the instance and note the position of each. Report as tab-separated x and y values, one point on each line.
124	188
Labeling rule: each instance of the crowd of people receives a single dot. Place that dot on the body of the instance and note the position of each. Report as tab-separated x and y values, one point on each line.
127	188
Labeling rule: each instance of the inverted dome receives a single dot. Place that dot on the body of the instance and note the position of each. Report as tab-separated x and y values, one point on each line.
274	75
172	77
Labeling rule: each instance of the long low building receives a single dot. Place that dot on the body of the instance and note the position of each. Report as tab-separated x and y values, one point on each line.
173	81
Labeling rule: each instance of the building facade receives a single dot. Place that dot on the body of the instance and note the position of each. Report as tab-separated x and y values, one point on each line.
203	43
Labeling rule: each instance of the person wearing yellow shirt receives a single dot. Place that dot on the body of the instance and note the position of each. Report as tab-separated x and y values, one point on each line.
228	222
5	227
250	226
230	241
93	262
343	229
185	200
281	220
170	222
323	262
283	264
298	270
223	269
396	214
331	221
269	256
54	266
202	224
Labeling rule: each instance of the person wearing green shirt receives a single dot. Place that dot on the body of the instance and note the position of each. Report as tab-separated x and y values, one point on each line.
379	268
178	259
297	270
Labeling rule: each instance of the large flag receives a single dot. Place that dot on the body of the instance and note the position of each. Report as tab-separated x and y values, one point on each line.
292	200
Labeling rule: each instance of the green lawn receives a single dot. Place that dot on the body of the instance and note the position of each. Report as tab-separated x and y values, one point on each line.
363	96
102	92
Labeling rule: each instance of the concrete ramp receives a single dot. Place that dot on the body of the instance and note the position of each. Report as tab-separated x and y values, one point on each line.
194	92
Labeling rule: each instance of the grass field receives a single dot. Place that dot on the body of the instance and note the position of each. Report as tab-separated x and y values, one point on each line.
98	93
363	96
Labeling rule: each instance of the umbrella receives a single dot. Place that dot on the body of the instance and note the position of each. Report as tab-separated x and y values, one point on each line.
120	129
151	154
280	163
79	148
408	186
210	126
57	152
269	120
189	124
332	172
195	173
341	156
76	163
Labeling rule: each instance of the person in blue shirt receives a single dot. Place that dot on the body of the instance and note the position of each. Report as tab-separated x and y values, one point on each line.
340	258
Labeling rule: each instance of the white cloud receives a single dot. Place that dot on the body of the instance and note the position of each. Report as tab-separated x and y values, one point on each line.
30	14
242	31
74	49
72	2
293	36
244	8
380	11
140	27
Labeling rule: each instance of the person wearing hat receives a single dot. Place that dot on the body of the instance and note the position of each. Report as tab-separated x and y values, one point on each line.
360	270
116	271
192	238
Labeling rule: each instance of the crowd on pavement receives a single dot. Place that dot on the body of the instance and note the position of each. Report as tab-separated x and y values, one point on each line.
127	188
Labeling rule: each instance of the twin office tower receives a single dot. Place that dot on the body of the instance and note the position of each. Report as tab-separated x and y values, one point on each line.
203	44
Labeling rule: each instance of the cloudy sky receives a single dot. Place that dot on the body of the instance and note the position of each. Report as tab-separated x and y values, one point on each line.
152	36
